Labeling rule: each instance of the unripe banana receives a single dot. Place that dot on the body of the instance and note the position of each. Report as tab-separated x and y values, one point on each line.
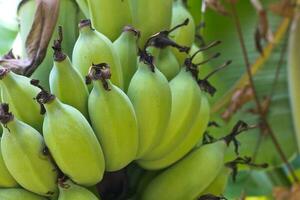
150	95
186	102
70	191
126	47
18	194
71	140
66	82
22	149
202	165
166	62
185	35
6	179
17	91
94	47
113	119
113	16
293	73
218	185
198	56
193	135
68	11
151	17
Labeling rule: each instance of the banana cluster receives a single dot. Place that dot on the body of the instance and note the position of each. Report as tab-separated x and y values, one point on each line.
128	98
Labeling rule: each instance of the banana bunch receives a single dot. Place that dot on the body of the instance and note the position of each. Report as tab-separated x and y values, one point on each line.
129	101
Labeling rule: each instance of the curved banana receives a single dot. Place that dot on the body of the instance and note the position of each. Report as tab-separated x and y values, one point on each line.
18	194
218	185
126	47
68	18
184	35
202	164
71	140
113	119
150	95
193	135
17	91
66	83
94	47
70	191
6	179
22	150
150	17
166	62
113	16
186	102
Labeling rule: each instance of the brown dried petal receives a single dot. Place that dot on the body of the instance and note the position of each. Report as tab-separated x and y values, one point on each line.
38	39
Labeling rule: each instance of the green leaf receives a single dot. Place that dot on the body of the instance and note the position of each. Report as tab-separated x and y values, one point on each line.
223	28
7	38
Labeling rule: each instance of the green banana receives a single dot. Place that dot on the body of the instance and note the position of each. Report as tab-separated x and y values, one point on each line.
186	102
166	62
70	191
198	55
66	83
150	95
17	91
68	18
193	135
94	47
71	140
114	15
202	164
185	35
151	17
293	74
218	185
126	47
22	150
6	179
18	194
113	119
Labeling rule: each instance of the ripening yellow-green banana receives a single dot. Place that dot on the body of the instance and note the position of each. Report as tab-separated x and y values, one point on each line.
71	191
151	17
186	103
294	73
166	62
184	35
126	47
22	149
113	16
71	141
113	119
6	179
150	94
66	83
203	165
17	91
192	136
218	185
68	18
94	47
18	194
